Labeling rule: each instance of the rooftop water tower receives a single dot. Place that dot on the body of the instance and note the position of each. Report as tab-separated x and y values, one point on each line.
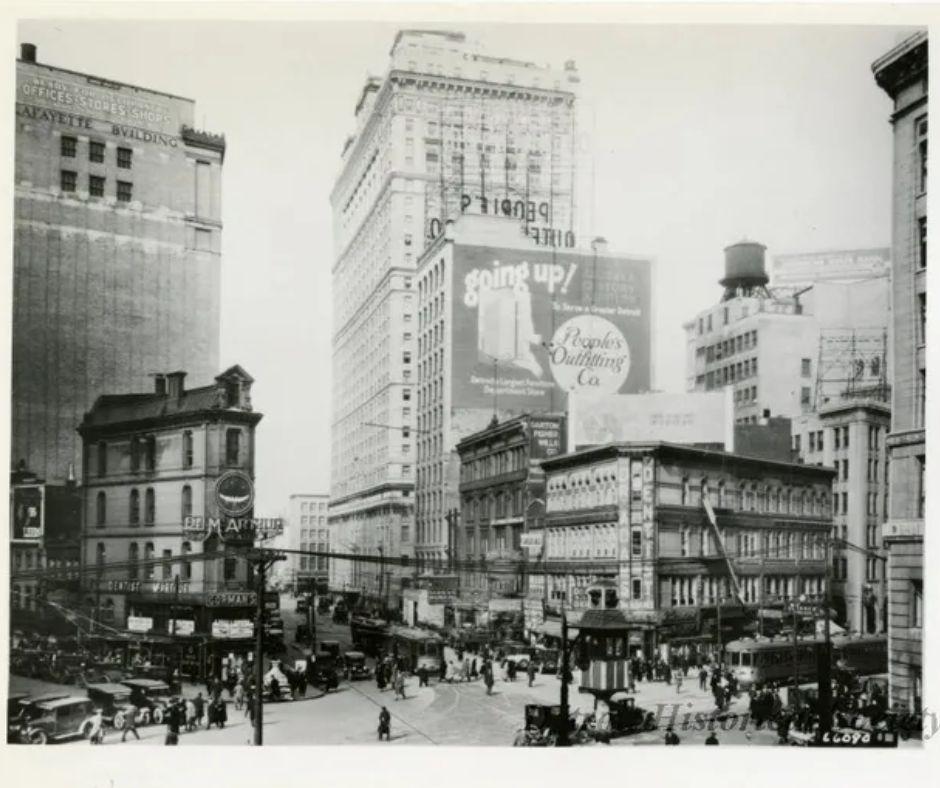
745	274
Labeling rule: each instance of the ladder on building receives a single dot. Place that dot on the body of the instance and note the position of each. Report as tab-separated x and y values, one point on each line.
735	585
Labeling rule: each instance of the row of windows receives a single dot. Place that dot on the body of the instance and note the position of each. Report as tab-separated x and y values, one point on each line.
149	570
150	506
96	151
727	347
755	498
145	449
68	182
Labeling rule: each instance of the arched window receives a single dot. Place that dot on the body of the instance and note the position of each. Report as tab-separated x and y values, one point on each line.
188	449
100	554
186	506
101	509
804	503
134	514
187	568
148	557
151	452
135	453
150	506
102	458
233	438
720	501
706	491
686	499
133	556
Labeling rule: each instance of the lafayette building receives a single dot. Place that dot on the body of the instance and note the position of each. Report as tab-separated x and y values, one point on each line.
116	251
446	130
167	483
902	74
633	517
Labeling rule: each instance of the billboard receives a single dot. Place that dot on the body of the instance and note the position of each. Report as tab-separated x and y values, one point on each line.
27	515
547	436
532	326
700	417
791	270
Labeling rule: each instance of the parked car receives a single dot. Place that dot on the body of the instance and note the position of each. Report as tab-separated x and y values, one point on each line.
114	700
22	708
323	604
63	718
325	672
547	659
152	697
356	667
303	605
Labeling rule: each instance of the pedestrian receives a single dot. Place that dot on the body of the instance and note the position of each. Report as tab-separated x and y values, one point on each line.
400	685
474	673
275	689
172	725
380	676
130	722
96	734
678	682
302	684
190	715
531	671
443	670
422	676
385	725
671	737
488	677
712	738
239	696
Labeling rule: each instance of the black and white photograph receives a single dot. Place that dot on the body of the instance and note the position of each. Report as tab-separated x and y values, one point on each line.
427	378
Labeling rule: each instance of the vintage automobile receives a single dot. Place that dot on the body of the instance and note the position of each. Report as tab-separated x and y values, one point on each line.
545	727
330	647
356	668
325	672
626	717
302	605
22	708
323	604
547	659
63	718
151	696
114	700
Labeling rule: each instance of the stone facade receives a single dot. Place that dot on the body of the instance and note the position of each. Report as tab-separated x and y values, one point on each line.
902	74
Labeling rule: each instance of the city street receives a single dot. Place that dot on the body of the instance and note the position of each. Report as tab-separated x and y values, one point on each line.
449	714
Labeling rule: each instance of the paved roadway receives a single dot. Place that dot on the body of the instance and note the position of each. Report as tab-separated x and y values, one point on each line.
450	714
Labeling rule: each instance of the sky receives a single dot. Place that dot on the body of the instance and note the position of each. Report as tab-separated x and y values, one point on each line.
690	138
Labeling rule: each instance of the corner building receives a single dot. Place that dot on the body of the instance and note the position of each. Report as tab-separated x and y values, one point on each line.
633	517
116	251
902	74
152	464
447	130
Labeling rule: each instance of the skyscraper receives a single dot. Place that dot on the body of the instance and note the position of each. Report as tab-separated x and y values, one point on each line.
446	131
116	251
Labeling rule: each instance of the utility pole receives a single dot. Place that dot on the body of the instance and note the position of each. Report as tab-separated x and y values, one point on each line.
261	559
173	611
824	666
565	677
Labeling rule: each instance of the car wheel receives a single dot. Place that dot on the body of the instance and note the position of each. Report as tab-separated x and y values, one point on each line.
119	719
86	730
38	736
157	716
145	717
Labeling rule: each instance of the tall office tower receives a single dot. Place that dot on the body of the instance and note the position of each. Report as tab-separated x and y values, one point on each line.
446	131
902	74
116	251
792	349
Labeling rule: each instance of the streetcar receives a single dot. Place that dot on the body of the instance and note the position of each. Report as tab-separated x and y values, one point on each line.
762	660
368	634
416	647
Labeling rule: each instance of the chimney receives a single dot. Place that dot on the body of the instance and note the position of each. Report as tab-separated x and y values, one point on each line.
599	245
28	53
174	381
159	385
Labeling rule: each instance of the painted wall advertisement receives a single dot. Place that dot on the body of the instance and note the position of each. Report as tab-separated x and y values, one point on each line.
532	326
806	268
694	417
26	516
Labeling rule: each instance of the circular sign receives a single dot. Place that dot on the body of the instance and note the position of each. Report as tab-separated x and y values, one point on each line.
234	493
589	354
